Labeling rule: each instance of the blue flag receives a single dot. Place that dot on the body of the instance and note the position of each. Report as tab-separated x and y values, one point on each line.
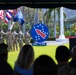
19	17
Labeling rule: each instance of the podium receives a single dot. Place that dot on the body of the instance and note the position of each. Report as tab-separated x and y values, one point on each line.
72	43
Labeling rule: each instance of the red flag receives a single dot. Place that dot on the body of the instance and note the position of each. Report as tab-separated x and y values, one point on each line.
14	11
1	14
8	15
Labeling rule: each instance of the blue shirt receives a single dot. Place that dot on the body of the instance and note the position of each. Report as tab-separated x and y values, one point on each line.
24	71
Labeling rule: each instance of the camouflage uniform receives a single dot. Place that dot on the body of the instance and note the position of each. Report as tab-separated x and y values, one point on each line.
27	38
9	37
2	34
15	42
66	70
20	39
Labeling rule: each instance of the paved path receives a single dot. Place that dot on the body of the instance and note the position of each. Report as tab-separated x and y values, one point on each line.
56	42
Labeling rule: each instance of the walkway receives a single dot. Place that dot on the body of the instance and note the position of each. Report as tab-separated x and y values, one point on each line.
57	43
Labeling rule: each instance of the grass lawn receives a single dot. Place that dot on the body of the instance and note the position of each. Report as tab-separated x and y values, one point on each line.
39	50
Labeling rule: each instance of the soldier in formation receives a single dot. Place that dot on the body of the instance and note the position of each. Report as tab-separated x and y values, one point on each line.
27	38
10	39
20	39
14	39
2	36
15	42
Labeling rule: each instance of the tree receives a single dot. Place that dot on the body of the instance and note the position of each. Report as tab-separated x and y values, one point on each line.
51	15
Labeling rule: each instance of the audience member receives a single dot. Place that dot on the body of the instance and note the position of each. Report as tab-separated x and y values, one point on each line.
72	63
5	68
24	63
44	65
62	57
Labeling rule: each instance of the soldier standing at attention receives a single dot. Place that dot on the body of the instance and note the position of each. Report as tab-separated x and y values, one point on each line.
15	42
9	40
2	34
27	38
20	35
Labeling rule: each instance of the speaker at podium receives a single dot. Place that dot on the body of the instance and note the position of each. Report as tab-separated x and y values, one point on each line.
72	43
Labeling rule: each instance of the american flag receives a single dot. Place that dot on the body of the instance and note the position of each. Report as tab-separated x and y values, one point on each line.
1	14
9	14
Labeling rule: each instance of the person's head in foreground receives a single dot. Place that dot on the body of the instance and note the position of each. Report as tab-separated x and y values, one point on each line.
44	65
62	54
26	57
5	68
4	51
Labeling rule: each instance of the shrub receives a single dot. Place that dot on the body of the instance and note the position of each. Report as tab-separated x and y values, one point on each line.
67	33
73	32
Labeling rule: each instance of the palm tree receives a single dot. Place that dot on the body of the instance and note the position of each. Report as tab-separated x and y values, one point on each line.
48	16
43	12
36	17
54	23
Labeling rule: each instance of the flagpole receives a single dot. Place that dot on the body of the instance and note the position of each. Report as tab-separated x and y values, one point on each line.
11	26
24	18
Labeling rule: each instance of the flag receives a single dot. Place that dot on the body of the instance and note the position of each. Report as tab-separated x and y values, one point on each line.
15	12
19	17
1	14
11	26
8	15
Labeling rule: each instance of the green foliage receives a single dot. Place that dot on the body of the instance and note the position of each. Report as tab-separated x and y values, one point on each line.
67	33
51	32
4	26
73	32
28	27
72	27
57	33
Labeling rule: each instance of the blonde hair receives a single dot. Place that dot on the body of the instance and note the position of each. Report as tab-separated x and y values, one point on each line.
26	57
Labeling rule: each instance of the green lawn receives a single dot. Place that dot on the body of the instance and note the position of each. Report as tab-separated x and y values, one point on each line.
39	50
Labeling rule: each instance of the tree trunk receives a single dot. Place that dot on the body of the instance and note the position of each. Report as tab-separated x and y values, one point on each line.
54	24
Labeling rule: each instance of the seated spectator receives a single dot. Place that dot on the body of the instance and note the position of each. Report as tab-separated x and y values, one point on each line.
62	56
44	65
72	63
24	63
5	68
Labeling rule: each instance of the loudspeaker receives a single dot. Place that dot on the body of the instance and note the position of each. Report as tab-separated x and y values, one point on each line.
72	43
